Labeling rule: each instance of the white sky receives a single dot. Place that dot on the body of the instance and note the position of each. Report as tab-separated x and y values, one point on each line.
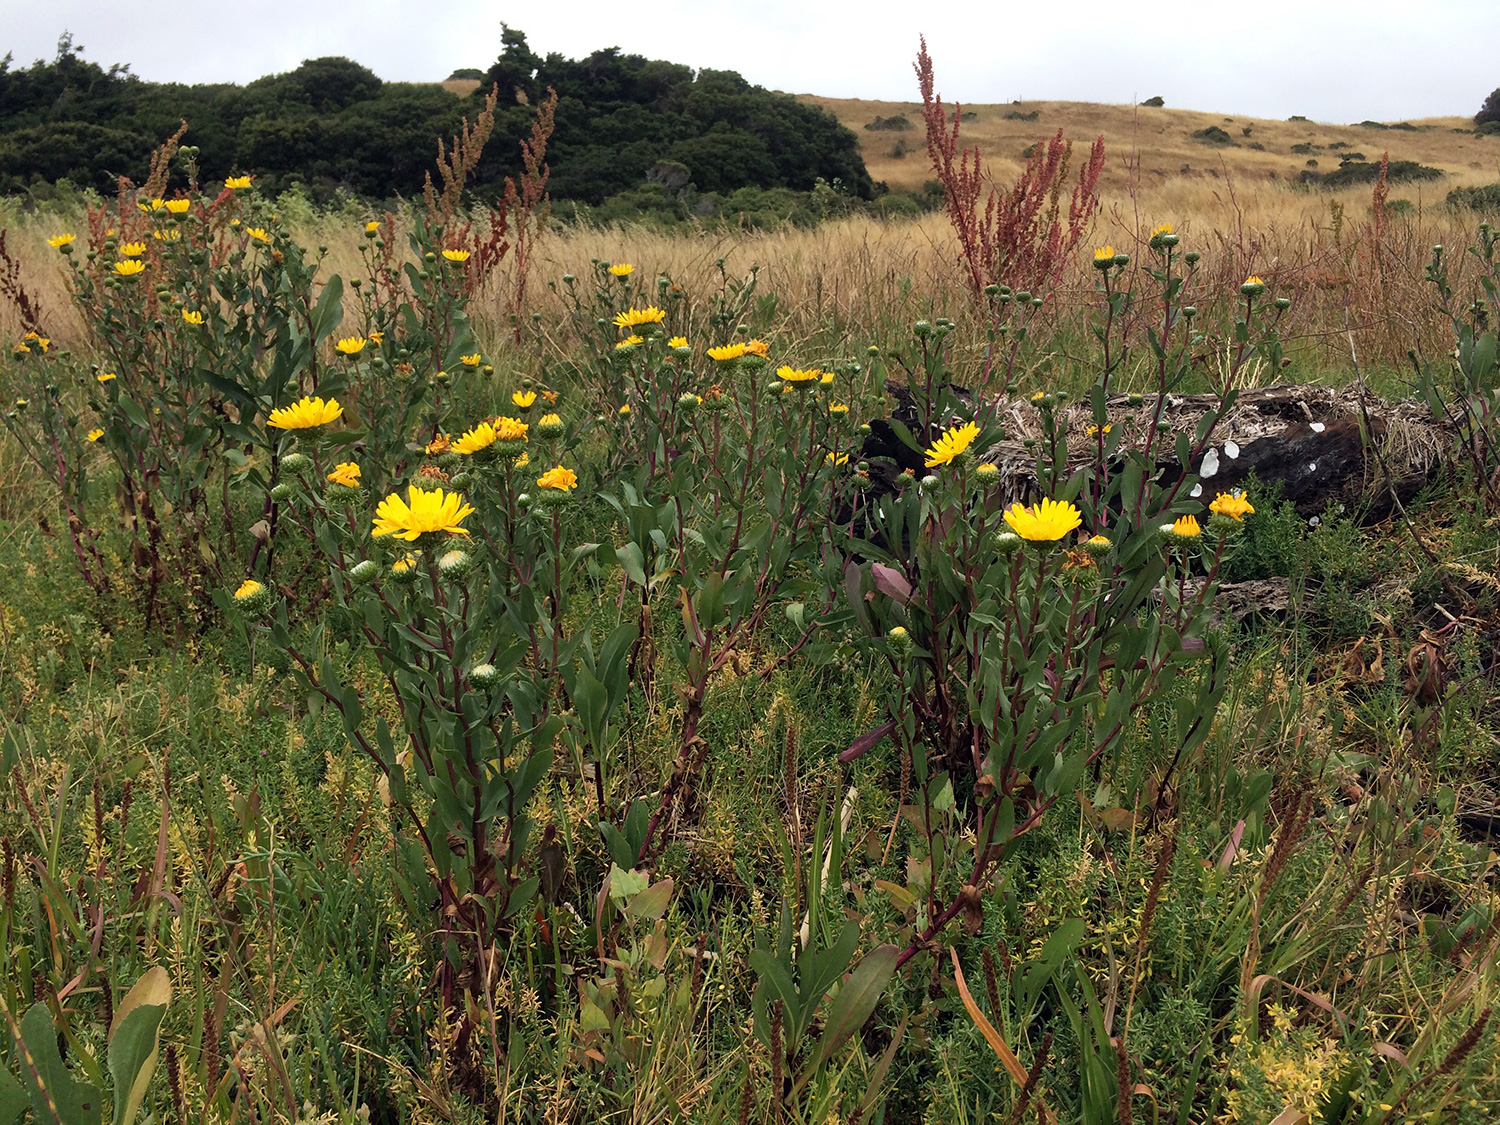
1331	60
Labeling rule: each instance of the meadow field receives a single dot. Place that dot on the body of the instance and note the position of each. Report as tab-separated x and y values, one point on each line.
441	683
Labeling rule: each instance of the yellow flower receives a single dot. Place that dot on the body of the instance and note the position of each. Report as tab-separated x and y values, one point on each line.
511	429
132	249
837	408
826	378
420	513
1162	228
248	589
625	410
522	461
550	420
1234	506
179	206
456	255
480	437
130	267
305	414
258	233
756	347
345	473
372	226
166	235
987	470
837	458
1104	254
350	345
951	443
1255	279
192	317
236	183
628	342
58	241
1048	522
677	342
632	318
523	399
1186	527
20	349
559	478
622	269
727	352
39	340
154	205
377	337
95	435
1038	396
471	360
439	444
1094	430
796	375
105	376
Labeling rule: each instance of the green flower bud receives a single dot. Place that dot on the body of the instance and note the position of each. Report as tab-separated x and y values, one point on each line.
281	492
484	676
364	572
295	463
455	564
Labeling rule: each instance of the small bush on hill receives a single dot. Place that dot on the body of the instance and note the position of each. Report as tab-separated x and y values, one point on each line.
1397	172
1213	135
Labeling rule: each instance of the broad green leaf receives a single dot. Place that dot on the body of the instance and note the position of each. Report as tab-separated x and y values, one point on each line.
133	1041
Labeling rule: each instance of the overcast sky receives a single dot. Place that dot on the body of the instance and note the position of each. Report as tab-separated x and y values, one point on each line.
1331	60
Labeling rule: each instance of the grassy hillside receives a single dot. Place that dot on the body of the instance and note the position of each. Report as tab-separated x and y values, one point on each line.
1159	144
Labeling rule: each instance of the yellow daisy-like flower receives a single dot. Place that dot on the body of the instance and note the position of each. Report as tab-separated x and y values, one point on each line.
420	513
1163	228
1104	254
1233	505
132	249
523	399
105	376
622	269
20	349
345	473
1255	279
987	470
179	206
439	444
377	337
1038	396
95	435
628	342
1186	527
166	235
511	429
258	233
456	255
194	318
838	408
1093	431
550	420
372	226
237	183
471	360
350	345
130	267
757	347
951	443
305	414
1047	522
480	437
558	478
58	241
677	342
248	589
727	352
797	375
154	205
826	379
522	461
40	340
633	318
837	459
625	410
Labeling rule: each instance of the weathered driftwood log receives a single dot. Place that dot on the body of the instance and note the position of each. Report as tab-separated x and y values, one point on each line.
1307	438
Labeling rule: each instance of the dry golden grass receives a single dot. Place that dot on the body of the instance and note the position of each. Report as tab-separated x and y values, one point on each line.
847	283
1155	147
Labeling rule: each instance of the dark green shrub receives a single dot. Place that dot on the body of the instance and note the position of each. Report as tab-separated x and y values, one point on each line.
1485	198
1213	135
1154	103
1397	172
1489	112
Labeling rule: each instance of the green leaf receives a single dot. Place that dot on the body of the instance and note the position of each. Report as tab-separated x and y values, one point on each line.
856	1000
133	1040
13	1099
55	1094
328	313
